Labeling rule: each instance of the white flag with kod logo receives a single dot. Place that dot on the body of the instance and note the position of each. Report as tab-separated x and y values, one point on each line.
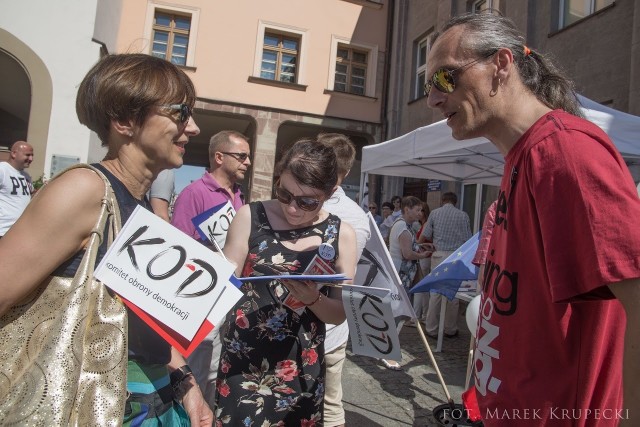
168	275
372	327
373	316
376	269
213	224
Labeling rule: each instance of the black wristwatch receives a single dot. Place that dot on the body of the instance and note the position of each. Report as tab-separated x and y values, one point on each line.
177	378
180	374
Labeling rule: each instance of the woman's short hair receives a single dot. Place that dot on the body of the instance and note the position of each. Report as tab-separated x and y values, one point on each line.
410	202
312	164
127	87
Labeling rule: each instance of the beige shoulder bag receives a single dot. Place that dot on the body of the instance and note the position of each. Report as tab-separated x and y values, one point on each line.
63	353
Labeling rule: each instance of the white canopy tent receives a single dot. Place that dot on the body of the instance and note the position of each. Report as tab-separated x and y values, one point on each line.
430	152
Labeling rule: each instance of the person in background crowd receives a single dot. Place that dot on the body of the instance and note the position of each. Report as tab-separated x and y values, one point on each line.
373	208
396	201
395	214
387	208
421	299
347	210
560	324
229	160
404	250
272	364
15	184
449	228
140	107
161	192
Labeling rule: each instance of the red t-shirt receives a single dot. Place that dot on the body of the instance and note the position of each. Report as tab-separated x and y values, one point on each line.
550	336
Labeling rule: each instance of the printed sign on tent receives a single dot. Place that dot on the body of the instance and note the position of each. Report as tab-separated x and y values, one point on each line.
169	276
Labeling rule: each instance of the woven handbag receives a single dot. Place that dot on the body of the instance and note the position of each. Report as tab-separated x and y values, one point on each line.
63	353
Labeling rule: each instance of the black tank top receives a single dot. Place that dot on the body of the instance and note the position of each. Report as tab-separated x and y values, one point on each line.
145	345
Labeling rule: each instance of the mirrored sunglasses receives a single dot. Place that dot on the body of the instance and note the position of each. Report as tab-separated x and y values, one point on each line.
184	109
304	202
443	78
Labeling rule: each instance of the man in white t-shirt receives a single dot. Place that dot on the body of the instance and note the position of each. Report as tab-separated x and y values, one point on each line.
335	343
15	184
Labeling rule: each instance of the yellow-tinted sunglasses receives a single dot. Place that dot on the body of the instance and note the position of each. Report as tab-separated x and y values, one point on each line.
443	79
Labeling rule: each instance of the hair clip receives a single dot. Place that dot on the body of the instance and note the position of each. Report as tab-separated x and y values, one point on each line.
527	51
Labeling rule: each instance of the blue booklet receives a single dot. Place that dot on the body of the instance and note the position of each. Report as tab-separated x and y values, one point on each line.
315	277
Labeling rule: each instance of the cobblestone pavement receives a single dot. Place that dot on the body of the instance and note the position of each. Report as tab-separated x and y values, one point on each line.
376	396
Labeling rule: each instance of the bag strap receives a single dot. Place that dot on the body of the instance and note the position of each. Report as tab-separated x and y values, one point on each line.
399	219
110	211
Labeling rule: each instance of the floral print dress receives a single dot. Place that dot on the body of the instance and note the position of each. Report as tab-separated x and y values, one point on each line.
271	370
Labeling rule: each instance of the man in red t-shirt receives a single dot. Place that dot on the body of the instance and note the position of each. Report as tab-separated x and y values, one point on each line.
561	294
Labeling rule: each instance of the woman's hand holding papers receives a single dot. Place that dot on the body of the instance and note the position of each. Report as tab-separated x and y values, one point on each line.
304	291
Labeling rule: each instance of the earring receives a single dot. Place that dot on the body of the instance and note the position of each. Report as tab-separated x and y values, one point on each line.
129	134
494	92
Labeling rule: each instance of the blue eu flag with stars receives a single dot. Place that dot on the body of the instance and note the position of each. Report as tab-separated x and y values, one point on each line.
447	277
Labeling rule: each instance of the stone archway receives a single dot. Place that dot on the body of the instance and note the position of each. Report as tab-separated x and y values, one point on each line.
24	75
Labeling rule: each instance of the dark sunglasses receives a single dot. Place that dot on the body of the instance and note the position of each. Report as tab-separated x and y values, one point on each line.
241	157
305	203
185	111
443	78
372	207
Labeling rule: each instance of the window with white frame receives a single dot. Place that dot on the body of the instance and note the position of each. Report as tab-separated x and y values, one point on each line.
574	10
171	37
422	51
352	68
280	54
172	32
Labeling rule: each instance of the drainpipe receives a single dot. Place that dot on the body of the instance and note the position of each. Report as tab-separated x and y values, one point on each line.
387	66
374	188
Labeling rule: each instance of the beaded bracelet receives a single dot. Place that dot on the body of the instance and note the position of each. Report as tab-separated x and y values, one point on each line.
318	298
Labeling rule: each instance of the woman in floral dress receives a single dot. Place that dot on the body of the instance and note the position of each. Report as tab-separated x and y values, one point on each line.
271	369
